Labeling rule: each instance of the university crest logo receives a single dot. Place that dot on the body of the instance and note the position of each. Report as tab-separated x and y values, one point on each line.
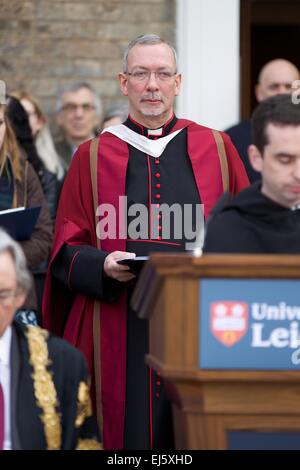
228	321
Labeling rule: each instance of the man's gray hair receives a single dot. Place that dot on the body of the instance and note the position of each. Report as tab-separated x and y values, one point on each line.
146	40
75	86
22	274
117	110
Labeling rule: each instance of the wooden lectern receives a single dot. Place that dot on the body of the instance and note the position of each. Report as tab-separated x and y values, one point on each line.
211	404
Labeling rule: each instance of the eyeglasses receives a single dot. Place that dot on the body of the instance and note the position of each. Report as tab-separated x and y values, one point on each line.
72	107
144	75
7	297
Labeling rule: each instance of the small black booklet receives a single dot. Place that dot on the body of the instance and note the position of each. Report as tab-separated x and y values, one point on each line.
136	264
20	222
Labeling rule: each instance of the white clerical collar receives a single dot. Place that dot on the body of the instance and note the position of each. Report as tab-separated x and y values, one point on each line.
5	341
154	148
155	132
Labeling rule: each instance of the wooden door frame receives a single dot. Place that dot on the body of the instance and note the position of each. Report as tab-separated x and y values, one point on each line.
245	58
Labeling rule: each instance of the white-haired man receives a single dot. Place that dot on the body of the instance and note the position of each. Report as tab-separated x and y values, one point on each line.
78	114
44	393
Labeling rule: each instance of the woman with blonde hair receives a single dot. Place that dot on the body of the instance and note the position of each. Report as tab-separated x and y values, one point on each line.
20	187
41	134
19	121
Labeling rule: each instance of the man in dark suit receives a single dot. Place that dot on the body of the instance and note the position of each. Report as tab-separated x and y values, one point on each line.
275	78
44	393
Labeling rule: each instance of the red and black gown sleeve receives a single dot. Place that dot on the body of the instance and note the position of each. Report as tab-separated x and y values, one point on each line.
71	265
76	264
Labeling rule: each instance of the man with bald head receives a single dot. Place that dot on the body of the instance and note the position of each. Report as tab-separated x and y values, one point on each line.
275	78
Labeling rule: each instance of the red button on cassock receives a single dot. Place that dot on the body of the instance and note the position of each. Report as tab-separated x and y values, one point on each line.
157	162
157	196
157	186
157	175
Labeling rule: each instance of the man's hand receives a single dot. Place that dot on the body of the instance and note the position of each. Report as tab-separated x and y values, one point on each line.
117	271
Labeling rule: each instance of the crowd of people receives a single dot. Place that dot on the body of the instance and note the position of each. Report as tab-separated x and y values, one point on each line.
143	153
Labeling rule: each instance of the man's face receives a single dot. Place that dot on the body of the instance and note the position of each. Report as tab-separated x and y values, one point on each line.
280	164
151	98
276	79
10	299
78	115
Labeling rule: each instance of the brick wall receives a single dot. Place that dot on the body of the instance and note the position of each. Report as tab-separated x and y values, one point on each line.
45	44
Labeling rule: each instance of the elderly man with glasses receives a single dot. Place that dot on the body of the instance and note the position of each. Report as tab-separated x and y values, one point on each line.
151	160
44	393
78	114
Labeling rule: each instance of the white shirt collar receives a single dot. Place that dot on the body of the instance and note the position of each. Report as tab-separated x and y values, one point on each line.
5	342
154	148
156	132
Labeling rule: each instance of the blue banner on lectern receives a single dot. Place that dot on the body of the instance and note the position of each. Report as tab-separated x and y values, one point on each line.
249	324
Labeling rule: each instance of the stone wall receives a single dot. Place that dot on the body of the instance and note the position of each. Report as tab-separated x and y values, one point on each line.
45	44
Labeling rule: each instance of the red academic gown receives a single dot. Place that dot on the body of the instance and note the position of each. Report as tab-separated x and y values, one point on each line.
75	225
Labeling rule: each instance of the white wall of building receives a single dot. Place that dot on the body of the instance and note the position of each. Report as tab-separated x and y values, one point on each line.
208	53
